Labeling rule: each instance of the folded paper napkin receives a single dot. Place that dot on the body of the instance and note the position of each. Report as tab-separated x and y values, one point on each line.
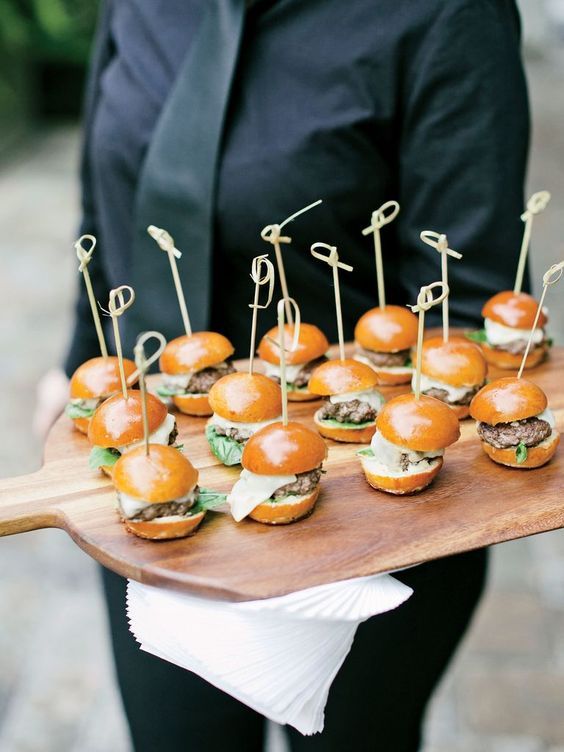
278	656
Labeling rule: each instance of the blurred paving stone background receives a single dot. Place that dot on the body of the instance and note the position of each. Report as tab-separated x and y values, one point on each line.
505	690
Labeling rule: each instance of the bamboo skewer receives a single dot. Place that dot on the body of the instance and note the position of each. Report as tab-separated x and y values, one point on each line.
425	302
166	243
378	220
85	256
550	277
281	308
143	364
256	271
333	260
271	234
115	310
440	243
535	205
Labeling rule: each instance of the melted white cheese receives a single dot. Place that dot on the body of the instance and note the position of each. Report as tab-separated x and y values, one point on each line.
87	404
498	334
252	489
455	393
548	415
388	454
248	429
176	381
160	435
371	396
130	506
386	369
273	369
379	468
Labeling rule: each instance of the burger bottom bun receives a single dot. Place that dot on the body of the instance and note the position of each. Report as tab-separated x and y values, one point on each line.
166	528
107	470
301	395
389	378
283	512
509	361
81	424
193	404
536	456
402	484
349	435
461	411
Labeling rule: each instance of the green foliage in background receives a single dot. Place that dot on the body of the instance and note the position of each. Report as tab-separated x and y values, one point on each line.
55	30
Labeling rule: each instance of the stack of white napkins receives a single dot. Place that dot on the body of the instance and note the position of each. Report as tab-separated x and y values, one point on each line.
278	656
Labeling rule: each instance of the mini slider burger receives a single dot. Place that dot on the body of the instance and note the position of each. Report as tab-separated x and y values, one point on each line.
93	382
452	372
514	423
190	366
242	404
157	493
352	404
384	338
406	452
117	428
282	467
508	320
310	352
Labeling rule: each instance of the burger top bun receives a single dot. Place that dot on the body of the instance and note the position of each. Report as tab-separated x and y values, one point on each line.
517	310
341	376
191	353
507	399
246	397
119	421
283	450
312	344
99	377
388	330
165	475
457	362
425	424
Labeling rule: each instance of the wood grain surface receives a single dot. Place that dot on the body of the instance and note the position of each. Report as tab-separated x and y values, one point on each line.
353	531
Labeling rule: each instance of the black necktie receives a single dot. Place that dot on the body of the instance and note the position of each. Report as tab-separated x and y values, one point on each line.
177	184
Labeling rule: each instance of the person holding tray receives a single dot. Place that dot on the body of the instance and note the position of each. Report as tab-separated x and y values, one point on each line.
208	118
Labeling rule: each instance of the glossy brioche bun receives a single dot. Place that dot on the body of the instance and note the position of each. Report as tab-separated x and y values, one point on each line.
350	435
283	450
165	528
165	475
508	399
385	377
301	395
388	330
457	362
99	377
461	411
194	352
284	512
193	404
246	398
516	310
497	356
81	424
403	484
536	456
341	376
425	424
119	421
312	344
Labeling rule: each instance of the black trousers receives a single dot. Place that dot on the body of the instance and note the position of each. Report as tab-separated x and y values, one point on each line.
377	700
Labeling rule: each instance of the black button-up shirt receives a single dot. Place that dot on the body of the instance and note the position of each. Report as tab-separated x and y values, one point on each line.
356	103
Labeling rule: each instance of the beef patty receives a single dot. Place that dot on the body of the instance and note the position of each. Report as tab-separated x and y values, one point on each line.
167	509
442	395
237	434
353	411
530	432
386	359
304	484
304	374
202	381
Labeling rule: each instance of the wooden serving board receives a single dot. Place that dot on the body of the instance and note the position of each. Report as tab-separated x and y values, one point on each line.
354	530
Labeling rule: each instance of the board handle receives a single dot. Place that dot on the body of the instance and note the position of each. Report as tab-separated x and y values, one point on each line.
21	510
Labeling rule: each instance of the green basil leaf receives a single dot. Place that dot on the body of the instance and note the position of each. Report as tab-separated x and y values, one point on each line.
408	363
102	456
521	452
337	423
549	341
366	452
165	391
209	499
478	336
72	410
228	451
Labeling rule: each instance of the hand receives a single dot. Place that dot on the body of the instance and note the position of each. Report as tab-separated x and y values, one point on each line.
52	394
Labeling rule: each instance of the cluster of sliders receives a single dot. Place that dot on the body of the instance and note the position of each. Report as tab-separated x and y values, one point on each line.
133	436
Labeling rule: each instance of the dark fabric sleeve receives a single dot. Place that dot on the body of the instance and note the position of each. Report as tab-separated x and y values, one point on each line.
84	342
463	153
